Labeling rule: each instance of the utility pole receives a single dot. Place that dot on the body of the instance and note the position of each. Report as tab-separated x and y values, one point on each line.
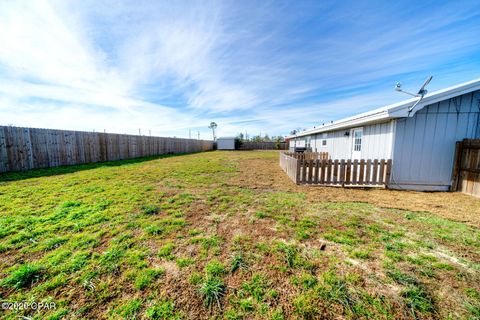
150	132
189	133
139	132
198	135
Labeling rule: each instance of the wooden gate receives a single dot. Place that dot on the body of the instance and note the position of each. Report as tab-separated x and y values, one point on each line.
466	167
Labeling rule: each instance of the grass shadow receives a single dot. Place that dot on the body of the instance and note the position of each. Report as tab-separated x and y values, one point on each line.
54	171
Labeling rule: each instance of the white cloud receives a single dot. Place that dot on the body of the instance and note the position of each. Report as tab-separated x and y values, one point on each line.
170	66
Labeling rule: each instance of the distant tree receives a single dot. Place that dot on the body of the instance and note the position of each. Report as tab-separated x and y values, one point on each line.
293	132
266	138
213	126
278	140
256	138
240	137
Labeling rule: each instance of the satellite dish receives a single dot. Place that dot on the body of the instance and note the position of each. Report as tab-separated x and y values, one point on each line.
422	90
420	94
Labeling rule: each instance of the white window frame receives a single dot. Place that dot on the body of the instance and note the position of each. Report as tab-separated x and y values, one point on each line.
356	154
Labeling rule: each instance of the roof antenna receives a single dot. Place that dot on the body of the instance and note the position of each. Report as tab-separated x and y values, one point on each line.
420	94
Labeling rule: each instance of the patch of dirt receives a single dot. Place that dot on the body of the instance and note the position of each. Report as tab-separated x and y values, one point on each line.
266	174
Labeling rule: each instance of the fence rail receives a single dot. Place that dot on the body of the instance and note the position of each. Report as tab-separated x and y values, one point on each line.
336	172
308	155
29	148
466	167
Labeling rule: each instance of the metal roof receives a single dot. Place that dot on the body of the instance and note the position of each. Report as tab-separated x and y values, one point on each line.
396	110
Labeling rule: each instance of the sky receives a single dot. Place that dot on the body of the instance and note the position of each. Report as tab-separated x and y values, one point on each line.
169	68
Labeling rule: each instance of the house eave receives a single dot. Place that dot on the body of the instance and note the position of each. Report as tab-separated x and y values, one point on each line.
396	110
346	124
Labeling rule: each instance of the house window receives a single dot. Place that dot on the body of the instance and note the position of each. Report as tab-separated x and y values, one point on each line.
357	142
324	142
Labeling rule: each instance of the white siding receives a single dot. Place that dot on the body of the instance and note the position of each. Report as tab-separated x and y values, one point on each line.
299	143
425	143
376	143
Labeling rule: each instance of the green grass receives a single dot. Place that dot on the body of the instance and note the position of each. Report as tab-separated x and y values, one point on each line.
212	291
23	276
212	235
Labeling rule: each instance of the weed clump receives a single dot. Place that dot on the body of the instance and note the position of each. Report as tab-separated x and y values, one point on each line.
237	262
289	253
163	310
24	276
212	290
215	268
418	301
150	209
166	251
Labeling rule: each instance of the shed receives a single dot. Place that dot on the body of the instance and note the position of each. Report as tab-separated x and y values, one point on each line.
226	143
420	141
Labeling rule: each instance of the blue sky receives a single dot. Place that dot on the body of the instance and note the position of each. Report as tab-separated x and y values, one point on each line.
255	66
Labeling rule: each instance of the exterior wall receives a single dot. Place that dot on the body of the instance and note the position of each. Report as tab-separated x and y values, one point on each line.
424	144
376	143
298	142
226	143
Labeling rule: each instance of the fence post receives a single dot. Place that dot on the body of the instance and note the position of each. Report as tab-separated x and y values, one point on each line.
310	170
388	173
382	172
317	166
297	175
457	163
304	170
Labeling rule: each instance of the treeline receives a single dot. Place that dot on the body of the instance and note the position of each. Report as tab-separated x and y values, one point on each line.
258	138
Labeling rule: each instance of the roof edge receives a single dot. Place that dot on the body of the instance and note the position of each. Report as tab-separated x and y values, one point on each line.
395	110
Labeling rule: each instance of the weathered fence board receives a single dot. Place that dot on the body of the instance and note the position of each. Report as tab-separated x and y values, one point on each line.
30	148
265	145
466	167
308	155
316	169
290	166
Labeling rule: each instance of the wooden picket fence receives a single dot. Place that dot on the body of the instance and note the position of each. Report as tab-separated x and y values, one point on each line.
308	155
289	164
337	172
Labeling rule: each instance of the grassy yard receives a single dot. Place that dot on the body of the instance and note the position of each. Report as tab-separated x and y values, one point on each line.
226	235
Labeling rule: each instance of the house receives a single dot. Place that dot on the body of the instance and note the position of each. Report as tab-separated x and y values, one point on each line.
226	143
419	140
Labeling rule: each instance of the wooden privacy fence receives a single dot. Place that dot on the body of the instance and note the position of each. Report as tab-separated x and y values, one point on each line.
29	148
268	145
466	167
335	172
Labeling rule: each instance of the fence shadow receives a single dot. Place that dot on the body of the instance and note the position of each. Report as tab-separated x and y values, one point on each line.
54	171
